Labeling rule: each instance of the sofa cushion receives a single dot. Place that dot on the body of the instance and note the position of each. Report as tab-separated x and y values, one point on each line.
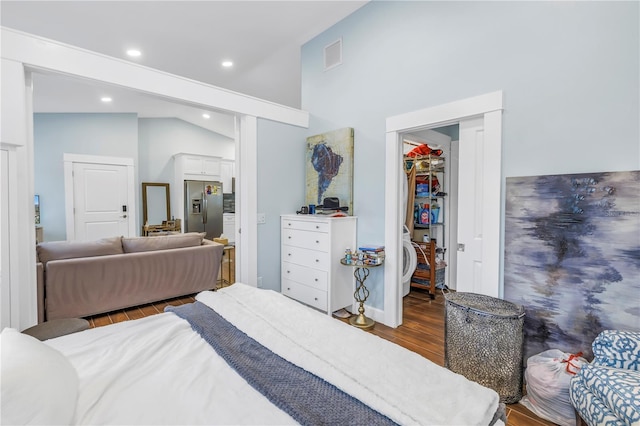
163	242
57	250
616	388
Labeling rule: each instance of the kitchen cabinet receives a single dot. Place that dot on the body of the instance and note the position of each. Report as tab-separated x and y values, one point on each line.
227	173
203	166
311	249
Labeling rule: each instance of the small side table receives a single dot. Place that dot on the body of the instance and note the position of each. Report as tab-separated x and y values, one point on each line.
361	272
226	251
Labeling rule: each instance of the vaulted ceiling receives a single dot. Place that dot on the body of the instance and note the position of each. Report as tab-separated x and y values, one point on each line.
186	38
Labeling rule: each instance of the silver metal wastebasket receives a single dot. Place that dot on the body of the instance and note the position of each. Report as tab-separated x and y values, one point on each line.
484	342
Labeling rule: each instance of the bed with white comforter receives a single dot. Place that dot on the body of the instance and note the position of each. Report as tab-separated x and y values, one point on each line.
157	370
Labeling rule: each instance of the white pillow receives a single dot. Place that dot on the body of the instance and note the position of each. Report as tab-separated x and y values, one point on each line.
39	385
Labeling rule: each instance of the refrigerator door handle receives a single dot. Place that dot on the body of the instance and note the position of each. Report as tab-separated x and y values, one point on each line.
204	213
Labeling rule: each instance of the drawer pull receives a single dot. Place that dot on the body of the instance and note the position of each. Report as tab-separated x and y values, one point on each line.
315	298
317	260
288	272
316	280
317	227
289	237
317	242
288	288
288	254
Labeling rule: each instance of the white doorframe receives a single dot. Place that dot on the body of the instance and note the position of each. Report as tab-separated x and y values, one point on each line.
69	159
22	53
489	106
247	200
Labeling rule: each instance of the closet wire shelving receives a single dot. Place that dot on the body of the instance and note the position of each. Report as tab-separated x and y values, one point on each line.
429	252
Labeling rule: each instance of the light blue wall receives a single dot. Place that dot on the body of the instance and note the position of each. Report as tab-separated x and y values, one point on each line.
151	143
161	138
114	135
569	72
281	183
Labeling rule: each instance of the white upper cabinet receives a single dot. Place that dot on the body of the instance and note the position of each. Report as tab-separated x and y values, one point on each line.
198	167
227	173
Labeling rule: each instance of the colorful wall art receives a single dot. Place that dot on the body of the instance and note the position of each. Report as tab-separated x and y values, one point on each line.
572	256
329	167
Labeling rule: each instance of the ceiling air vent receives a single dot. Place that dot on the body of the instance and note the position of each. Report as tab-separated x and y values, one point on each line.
333	55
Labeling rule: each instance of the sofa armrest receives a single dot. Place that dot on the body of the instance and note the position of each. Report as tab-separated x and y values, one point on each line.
206	242
618	349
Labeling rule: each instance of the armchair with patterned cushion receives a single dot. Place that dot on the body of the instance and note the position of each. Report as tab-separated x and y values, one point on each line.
607	391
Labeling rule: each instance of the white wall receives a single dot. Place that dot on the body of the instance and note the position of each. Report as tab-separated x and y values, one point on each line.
281	183
569	72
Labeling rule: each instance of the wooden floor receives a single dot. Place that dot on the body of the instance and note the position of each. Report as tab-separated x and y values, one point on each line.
422	331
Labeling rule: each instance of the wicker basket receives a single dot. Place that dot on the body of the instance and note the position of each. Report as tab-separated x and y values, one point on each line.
484	342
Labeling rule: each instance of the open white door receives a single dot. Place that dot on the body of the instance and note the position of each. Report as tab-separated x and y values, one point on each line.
470	198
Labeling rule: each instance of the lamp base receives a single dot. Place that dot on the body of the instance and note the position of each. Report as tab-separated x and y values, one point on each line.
362	322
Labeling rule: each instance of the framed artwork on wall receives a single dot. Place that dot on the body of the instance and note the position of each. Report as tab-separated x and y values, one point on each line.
572	256
329	167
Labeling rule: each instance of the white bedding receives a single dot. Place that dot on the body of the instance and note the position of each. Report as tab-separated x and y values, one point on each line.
156	370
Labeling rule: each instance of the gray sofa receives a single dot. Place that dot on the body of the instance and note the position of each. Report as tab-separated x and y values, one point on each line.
84	278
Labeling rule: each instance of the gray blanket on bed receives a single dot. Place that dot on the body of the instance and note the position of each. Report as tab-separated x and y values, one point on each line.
307	398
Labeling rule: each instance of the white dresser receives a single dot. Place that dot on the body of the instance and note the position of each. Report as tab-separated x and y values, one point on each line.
311	250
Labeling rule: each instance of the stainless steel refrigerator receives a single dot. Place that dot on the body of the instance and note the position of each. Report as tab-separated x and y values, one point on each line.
203	207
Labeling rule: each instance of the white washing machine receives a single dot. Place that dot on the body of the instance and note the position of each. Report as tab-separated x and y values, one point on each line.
229	226
409	256
409	261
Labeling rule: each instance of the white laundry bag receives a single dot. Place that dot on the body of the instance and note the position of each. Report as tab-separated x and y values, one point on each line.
547	377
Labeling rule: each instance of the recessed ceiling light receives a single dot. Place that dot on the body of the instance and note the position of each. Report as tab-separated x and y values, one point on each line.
227	64
206	116
134	53
106	99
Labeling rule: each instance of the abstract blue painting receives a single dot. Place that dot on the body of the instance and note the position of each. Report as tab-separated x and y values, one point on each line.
572	257
329	168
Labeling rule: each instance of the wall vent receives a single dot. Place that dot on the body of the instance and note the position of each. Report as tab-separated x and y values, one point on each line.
333	55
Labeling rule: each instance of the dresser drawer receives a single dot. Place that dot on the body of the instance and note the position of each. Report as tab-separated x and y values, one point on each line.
308	276
305	257
304	225
306	239
308	295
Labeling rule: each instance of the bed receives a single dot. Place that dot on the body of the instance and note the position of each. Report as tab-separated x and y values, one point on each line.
161	370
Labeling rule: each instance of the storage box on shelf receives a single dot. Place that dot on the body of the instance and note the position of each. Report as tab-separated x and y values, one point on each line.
430	272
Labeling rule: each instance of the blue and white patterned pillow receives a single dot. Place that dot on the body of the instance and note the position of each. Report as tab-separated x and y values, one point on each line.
619	349
617	389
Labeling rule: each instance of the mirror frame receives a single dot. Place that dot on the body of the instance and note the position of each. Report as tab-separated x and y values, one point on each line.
145	185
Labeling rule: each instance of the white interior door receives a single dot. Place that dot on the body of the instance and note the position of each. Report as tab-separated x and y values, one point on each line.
100	194
470	189
478	196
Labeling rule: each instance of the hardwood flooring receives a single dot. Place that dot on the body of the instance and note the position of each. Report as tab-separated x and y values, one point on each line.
422	332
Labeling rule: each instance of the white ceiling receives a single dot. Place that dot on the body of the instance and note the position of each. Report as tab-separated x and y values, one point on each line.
187	38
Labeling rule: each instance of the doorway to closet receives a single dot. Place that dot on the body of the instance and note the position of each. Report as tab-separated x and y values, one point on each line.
430	161
480	164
